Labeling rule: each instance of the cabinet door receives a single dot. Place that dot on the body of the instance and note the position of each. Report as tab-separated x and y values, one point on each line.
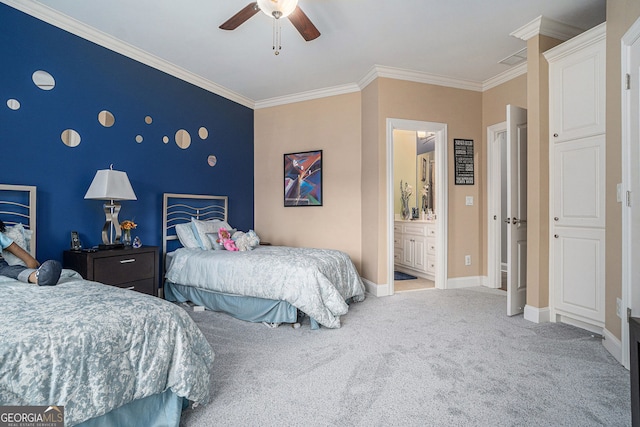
578	272
420	253
578	183
577	93
408	251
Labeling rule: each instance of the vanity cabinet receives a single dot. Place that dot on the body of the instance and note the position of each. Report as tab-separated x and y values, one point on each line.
415	248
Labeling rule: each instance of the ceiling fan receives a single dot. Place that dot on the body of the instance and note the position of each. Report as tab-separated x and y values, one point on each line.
276	9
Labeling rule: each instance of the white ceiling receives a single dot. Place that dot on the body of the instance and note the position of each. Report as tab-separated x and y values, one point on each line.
454	39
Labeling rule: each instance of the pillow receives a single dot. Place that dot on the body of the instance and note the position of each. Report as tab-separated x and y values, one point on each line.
201	228
213	238
247	241
186	236
15	233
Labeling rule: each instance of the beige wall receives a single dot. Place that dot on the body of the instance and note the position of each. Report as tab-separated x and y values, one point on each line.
494	110
621	14
461	110
330	124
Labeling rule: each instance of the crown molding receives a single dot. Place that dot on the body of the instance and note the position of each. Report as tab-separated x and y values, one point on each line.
73	26
505	76
418	77
589	37
308	95
546	27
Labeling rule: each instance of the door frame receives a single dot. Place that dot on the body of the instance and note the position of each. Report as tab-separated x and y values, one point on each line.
441	189
628	246
494	204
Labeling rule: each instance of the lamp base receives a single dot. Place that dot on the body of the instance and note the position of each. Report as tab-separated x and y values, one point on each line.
109	246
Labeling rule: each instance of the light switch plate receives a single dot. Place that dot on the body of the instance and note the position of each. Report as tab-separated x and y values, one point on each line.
469	201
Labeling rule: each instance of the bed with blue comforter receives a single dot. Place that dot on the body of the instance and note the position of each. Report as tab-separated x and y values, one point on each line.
100	351
318	282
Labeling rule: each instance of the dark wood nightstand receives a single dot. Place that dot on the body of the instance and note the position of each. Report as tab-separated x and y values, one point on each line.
132	268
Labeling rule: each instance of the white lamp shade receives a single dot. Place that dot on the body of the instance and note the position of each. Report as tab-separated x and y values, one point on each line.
109	184
286	7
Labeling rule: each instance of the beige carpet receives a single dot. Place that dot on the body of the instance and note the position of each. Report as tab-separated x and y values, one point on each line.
418	284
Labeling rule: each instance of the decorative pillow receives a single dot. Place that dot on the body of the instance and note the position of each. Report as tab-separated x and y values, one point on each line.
186	236
246	241
213	238
15	233
201	228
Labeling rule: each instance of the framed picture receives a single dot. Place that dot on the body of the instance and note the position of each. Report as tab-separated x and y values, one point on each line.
303	178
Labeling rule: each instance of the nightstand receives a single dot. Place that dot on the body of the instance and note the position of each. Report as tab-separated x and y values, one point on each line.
132	268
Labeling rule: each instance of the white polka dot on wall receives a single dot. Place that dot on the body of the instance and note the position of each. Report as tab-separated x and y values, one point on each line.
165	139
203	133
183	139
212	160
139	138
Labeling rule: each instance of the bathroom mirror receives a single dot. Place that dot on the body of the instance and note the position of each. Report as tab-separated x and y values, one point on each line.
183	139
43	80
106	119
13	104
70	138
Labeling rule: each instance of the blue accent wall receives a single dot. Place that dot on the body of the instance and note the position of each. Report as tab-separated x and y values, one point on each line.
89	79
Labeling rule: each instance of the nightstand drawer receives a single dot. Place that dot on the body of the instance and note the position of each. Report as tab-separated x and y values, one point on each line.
124	269
145	286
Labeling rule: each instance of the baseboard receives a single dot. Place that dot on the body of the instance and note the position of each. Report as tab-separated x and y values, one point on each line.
612	344
375	289
537	315
465	282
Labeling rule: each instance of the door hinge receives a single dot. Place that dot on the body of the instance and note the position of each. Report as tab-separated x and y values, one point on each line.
628	314
628	82
628	198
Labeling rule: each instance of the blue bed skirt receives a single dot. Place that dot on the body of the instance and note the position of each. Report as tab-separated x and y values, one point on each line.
251	309
159	410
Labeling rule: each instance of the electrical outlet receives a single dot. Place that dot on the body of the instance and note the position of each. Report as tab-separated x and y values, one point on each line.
467	260
619	307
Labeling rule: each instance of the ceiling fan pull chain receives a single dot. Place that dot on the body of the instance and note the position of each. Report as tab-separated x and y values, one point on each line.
276	37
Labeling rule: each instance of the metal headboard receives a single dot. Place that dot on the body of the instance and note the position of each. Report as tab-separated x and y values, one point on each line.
180	208
18	206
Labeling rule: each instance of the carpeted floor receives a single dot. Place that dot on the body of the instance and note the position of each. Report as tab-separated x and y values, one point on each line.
437	358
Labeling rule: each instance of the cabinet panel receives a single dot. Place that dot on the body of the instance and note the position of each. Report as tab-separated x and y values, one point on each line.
577	93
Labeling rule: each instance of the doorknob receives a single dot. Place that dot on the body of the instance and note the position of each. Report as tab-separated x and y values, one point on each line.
556	236
507	220
555	218
515	221
495	217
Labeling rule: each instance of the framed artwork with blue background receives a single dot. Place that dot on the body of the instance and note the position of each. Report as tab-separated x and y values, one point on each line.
303	179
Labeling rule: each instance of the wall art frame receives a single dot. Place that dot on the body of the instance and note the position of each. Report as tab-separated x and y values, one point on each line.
303	178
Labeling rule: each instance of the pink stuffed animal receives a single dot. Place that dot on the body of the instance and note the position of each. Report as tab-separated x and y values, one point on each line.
225	239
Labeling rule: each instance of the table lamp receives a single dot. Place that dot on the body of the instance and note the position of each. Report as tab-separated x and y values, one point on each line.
111	185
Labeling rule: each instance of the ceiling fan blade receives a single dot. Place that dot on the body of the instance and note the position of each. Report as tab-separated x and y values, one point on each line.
241	17
304	25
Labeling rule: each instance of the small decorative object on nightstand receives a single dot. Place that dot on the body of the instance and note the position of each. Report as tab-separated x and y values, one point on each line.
133	268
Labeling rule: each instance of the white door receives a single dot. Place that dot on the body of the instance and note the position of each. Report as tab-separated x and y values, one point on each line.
631	181
516	209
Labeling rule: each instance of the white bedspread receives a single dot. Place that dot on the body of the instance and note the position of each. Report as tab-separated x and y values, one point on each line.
92	348
316	281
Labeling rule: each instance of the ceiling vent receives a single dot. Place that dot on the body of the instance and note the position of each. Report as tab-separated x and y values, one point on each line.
516	58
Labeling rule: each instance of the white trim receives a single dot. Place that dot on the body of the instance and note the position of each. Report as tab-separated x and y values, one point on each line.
546	27
537	315
441	212
629	38
612	345
464	282
307	96
375	289
588	38
494	230
64	22
504	77
418	77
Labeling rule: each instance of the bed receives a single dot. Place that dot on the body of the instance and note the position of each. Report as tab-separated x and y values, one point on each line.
269	284
104	355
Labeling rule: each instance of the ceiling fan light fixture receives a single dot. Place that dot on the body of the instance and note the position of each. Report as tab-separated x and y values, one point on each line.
277	8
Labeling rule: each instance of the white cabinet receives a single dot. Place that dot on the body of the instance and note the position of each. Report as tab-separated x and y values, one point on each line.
577	180
415	247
